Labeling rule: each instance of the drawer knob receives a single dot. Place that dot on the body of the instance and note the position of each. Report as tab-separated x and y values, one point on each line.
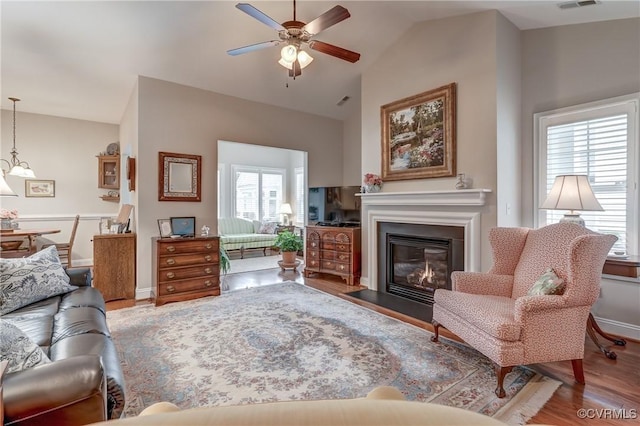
171	249
208	270
170	275
171	288
207	283
207	258
208	246
171	261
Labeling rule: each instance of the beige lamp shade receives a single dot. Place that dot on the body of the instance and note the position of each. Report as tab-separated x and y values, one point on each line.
572	192
285	208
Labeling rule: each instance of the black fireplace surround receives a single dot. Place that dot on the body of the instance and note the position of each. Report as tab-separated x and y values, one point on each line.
414	260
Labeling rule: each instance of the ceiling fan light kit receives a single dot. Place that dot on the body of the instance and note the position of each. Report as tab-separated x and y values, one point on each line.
296	33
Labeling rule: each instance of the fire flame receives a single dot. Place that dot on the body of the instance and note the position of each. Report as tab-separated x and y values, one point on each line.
427	274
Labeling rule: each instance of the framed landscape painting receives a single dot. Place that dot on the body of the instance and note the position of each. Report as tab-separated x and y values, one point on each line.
419	135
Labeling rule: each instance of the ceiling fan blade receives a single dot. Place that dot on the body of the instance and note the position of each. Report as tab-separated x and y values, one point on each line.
252	47
327	19
260	16
336	51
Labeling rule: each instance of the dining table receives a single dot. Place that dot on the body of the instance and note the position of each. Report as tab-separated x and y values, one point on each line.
12	241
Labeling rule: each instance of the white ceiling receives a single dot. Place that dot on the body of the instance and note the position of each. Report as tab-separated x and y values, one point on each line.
80	59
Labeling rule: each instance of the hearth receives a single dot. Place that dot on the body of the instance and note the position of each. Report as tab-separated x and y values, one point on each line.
414	260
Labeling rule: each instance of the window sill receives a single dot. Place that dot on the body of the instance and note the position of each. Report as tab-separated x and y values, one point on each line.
629	267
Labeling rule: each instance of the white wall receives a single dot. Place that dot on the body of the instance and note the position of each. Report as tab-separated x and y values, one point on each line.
508	123
63	150
233	153
570	65
187	120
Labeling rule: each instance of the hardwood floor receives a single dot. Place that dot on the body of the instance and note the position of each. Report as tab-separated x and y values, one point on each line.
610	384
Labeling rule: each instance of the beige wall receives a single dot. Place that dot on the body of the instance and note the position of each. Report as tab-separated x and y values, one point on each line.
184	119
352	148
570	65
430	55
63	150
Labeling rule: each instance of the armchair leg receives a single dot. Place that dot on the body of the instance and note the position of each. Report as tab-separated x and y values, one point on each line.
578	371
500	373
436	331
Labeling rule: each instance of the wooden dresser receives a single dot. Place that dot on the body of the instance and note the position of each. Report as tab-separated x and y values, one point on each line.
114	265
333	250
185	268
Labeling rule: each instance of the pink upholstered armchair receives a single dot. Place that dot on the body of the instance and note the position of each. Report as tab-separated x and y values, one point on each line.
493	313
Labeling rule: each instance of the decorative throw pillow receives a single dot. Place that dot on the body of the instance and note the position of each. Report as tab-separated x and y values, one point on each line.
18	350
267	228
28	280
548	283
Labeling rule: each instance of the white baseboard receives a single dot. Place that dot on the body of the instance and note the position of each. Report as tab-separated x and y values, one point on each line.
146	293
82	262
364	281
618	328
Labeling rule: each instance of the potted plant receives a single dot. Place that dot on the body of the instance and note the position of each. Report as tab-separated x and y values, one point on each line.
225	267
289	244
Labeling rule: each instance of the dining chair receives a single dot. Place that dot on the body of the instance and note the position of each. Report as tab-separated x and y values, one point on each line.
64	249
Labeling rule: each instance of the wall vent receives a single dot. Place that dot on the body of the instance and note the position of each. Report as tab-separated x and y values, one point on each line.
343	100
574	4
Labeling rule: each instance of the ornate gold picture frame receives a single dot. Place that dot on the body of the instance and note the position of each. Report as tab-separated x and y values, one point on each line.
419	135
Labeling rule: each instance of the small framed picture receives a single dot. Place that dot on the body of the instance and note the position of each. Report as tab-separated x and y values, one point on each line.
39	188
165	227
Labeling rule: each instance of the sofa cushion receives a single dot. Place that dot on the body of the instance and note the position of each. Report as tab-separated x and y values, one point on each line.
548	283
267	228
16	348
73	322
83	297
39	328
27	280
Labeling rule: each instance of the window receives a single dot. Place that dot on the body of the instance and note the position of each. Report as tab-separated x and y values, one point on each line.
599	140
300	191
258	192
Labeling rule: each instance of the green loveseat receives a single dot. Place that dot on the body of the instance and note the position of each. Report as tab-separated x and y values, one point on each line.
241	234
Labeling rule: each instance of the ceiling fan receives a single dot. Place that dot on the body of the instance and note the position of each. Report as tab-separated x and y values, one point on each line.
294	34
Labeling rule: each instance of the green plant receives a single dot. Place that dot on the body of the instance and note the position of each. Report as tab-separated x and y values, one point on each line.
288	241
225	263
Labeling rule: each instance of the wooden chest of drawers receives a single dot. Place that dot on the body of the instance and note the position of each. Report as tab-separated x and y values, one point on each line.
333	250
186	268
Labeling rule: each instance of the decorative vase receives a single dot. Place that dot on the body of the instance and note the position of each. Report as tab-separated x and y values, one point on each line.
461	183
7	224
372	188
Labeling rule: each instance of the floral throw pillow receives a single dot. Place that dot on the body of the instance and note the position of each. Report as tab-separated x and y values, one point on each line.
18	350
28	280
267	228
548	283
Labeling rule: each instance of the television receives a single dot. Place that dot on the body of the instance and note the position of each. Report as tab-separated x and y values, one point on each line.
334	205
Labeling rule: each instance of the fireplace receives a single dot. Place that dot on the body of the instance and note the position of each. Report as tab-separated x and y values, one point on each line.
414	260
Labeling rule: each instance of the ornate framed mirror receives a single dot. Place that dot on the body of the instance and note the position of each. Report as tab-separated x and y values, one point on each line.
179	177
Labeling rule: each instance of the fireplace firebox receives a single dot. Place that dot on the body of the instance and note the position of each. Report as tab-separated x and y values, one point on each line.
415	260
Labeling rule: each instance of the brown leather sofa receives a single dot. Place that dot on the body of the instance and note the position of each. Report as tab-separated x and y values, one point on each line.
84	382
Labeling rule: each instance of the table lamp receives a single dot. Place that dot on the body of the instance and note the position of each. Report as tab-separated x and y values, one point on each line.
285	210
571	192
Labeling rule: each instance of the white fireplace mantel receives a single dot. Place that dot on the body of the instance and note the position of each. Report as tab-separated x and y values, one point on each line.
461	197
447	208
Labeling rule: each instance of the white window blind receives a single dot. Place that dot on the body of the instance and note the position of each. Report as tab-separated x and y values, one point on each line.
597	140
258	192
300	190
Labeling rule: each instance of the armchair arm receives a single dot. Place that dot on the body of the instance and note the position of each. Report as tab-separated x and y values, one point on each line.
482	283
529	304
69	391
79	276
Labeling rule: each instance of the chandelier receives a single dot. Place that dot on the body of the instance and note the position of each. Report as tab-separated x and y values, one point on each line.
17	167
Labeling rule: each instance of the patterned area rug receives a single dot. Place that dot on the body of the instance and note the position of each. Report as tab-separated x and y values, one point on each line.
290	342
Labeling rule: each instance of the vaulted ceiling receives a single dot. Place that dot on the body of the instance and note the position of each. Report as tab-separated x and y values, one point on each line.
80	59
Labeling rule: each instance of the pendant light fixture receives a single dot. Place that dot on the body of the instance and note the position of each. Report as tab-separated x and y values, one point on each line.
17	167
